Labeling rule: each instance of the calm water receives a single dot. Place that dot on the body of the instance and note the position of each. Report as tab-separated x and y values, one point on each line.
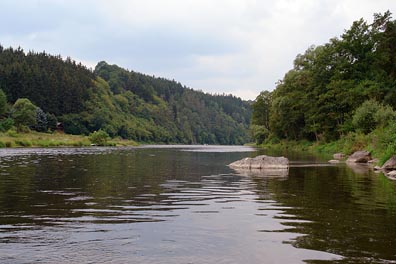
184	205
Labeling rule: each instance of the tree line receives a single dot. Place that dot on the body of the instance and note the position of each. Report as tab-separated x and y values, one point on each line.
120	102
346	85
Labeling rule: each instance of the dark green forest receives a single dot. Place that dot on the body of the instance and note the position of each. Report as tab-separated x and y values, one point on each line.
345	86
122	103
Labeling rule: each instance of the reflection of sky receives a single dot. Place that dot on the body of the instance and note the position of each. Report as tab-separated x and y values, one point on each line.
164	205
240	46
218	218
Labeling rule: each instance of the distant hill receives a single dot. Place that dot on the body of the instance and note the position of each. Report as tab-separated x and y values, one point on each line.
123	103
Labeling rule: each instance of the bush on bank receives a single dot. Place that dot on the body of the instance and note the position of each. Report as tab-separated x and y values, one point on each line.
381	142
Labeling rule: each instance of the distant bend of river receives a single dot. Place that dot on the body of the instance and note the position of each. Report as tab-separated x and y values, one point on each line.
182	204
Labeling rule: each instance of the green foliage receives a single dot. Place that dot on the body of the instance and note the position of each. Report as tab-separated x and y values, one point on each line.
259	133
388	153
74	124
321	97
24	113
381	142
172	113
6	124
52	122
55	85
3	102
12	132
99	138
353	142
385	116
23	143
363	120
120	102
261	109
371	115
23	129
384	142
260	122
41	121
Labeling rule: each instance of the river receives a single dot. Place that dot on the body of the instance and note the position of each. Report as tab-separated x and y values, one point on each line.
182	204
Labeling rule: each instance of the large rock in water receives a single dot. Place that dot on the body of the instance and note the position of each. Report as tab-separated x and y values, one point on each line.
261	162
390	164
360	157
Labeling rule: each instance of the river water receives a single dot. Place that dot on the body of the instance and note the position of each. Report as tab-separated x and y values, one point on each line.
182	204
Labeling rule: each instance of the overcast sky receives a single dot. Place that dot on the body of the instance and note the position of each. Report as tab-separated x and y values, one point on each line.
220	46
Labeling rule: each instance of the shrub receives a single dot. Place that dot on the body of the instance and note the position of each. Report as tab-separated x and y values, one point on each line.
3	102
388	153
41	121
12	132
354	142
6	124
52	121
384	116
23	143
23	129
99	138
371	115
259	133
74	124
24	113
363	119
385	142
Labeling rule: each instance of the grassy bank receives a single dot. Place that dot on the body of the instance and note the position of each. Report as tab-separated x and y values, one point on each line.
12	139
381	143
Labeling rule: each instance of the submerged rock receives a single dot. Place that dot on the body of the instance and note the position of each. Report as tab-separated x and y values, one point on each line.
390	164
334	161
359	168
261	162
360	157
279	173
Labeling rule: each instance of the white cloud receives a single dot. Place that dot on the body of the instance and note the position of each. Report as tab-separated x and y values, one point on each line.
230	46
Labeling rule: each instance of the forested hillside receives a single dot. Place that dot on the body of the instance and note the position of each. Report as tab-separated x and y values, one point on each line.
120	102
189	116
346	85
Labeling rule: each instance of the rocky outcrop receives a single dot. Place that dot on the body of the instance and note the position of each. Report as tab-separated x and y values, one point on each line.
261	162
389	168
360	157
390	164
391	175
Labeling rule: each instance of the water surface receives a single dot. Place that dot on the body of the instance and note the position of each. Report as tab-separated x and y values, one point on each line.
182	204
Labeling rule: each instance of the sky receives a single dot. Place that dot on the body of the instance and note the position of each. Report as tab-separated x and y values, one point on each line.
239	47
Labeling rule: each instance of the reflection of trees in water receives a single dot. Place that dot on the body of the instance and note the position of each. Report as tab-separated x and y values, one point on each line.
104	184
347	213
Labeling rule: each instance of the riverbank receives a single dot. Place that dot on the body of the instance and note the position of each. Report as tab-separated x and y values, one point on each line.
381	143
12	139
